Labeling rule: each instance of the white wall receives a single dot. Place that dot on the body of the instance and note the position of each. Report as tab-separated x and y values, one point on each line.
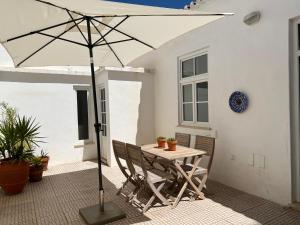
52	100
131	108
254	59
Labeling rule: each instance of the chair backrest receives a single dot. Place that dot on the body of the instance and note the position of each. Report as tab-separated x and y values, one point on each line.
207	144
135	156
183	139
120	153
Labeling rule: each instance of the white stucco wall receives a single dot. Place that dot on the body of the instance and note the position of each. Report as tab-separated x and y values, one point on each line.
253	59
51	99
130	108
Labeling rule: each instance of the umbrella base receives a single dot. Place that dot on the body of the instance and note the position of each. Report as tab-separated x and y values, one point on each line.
92	215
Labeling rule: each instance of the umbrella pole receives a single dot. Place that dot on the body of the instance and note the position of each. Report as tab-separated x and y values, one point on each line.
98	214
97	126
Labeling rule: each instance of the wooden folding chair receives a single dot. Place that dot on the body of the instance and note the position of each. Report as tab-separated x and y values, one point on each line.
201	174
154	178
120	152
183	139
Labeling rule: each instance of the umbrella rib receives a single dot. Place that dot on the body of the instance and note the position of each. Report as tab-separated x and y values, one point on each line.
40	30
77	26
45	45
114	42
63	39
121	32
49	3
171	15
115	54
118	24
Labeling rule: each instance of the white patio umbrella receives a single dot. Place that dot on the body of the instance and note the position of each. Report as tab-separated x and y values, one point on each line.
39	33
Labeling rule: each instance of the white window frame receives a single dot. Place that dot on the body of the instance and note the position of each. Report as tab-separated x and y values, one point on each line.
81	143
295	118
191	80
101	112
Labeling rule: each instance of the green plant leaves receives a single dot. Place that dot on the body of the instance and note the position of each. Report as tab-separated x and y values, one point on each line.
18	135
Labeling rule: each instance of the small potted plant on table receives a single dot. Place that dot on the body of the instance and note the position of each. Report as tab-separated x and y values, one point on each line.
45	160
161	141
172	144
36	169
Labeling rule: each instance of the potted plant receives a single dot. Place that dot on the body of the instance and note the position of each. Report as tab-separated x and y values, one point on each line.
36	169
45	159
172	144
18	136
161	141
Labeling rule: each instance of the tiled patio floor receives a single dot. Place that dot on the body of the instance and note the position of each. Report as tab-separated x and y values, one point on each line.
67	188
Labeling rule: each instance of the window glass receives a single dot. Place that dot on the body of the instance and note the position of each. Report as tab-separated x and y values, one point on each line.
103	111
194	91
202	112
201	64
82	114
298	36
202	91
188	68
188	112
187	93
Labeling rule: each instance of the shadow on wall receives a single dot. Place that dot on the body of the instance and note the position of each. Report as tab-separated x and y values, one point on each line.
146	124
138	110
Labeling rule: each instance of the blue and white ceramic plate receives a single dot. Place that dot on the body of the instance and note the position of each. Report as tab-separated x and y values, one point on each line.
238	102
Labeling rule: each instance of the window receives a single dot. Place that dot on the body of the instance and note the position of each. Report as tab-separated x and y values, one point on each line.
103	111
193	86
298	36
82	114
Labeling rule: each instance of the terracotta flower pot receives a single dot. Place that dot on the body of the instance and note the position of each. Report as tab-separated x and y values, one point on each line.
13	176
45	161
172	145
36	173
161	143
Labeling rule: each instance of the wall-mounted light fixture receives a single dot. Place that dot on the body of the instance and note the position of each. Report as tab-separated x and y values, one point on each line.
252	18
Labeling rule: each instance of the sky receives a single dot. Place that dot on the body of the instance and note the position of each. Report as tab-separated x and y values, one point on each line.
5	60
178	4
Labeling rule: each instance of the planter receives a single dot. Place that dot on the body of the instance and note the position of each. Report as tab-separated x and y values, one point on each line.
36	173
161	143
45	161
13	176
172	145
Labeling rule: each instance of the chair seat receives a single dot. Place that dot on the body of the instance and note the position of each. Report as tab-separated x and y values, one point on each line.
188	168
155	175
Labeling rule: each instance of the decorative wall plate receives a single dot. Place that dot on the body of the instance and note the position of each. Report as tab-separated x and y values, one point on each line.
238	102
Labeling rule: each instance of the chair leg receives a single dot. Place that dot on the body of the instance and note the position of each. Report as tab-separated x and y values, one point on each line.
123	186
182	190
157	193
201	182
149	203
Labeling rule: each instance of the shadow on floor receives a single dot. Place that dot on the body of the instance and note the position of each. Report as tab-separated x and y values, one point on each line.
58	198
249	209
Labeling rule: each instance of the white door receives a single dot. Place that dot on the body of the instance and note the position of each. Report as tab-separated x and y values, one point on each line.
295	112
103	120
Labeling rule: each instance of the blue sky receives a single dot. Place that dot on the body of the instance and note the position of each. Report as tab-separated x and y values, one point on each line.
179	4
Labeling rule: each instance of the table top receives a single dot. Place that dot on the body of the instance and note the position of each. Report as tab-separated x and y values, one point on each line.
181	152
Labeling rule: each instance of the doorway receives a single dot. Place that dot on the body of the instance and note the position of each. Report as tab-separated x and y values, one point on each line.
295	108
102	96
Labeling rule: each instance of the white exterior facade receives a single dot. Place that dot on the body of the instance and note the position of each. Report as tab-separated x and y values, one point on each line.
130	109
50	98
253	149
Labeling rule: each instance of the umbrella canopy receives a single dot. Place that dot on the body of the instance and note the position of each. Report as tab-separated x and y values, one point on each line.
120	32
